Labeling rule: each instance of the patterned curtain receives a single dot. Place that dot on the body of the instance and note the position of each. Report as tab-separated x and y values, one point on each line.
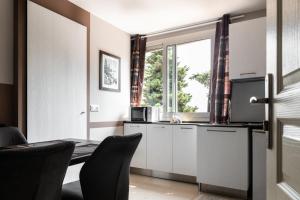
138	50
220	83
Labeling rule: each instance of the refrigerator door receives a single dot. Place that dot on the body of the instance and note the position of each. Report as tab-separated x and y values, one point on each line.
241	108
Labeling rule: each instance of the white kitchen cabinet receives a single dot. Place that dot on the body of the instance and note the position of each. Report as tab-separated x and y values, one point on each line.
247	49
159	147
223	157
185	150
139	159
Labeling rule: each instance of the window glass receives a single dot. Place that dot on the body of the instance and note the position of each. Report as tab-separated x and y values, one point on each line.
191	63
153	79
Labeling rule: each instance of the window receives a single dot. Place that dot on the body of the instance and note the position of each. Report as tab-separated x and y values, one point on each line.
177	77
153	79
188	76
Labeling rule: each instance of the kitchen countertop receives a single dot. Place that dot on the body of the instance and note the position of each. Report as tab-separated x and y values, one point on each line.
206	124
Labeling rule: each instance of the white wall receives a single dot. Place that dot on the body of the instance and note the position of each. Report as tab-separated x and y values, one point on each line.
101	133
6	41
114	106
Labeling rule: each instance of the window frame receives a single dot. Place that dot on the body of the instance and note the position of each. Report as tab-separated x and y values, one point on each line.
164	43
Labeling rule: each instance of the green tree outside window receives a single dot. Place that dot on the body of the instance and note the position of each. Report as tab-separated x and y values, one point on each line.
153	82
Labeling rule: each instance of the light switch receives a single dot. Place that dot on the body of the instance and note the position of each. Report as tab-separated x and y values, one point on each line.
94	108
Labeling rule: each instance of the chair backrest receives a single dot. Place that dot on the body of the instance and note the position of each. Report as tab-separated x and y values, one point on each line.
11	136
105	175
34	173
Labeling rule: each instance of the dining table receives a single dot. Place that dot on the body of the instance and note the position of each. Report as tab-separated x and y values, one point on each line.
83	148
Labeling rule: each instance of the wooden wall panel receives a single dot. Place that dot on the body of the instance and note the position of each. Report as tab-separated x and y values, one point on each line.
106	124
20	64
7	109
66	9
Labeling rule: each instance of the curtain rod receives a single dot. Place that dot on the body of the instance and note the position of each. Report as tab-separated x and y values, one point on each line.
190	26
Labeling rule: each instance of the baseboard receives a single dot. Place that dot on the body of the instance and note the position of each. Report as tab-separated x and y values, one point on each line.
223	191
164	175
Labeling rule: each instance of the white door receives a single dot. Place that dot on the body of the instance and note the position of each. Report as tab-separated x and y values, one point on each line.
159	147
57	71
283	62
185	150
139	158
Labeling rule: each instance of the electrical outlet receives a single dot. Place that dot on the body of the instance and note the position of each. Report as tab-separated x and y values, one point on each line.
94	108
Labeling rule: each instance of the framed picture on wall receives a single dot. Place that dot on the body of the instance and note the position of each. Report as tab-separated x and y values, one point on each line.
110	74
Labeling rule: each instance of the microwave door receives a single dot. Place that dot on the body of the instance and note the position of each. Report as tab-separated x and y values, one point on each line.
138	114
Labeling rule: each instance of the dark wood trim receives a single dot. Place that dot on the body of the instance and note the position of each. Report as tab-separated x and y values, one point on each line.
105	124
20	64
62	7
66	9
7	104
101	87
88	78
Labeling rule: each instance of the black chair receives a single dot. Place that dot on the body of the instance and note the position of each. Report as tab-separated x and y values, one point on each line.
105	175
11	136
34	173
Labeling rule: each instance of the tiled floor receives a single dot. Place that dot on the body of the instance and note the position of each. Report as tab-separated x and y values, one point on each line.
147	188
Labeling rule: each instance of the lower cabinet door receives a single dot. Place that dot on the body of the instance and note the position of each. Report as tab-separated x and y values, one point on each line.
159	147
223	157
185	150
139	159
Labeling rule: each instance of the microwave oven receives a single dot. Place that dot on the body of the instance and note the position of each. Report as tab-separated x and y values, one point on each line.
144	114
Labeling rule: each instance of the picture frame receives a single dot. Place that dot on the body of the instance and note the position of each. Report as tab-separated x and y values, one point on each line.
110	72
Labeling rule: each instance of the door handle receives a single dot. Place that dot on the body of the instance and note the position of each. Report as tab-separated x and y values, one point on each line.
267	123
254	100
82	113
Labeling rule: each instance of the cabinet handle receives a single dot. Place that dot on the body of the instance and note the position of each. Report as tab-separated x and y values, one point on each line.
134	126
159	127
247	73
186	128
221	131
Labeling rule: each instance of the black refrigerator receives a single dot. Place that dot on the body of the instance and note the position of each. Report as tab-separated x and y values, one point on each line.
244	112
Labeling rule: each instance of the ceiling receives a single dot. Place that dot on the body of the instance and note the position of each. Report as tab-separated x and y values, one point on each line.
144	16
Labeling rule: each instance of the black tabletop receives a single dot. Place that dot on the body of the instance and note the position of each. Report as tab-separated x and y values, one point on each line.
83	148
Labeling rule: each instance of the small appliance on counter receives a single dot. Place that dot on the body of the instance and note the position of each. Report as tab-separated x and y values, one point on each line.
144	114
